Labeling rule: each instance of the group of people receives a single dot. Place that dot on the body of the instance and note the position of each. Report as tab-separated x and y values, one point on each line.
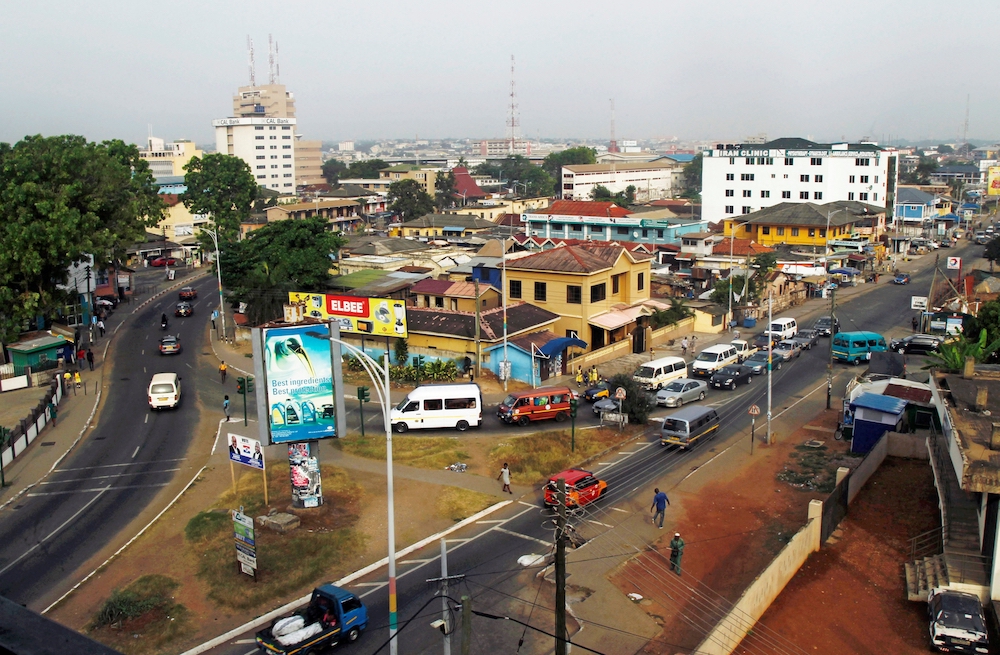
659	509
591	376
85	357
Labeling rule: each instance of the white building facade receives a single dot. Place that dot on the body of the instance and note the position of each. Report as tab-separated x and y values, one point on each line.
267	145
652	180
739	179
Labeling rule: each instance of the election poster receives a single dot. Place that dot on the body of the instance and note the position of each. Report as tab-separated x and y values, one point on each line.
245	451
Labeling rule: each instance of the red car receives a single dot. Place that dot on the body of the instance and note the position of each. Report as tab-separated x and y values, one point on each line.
187	293
582	488
164	261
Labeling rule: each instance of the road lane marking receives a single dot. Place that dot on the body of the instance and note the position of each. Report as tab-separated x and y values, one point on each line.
418	561
527	504
50	535
101	489
370	584
245	641
599	523
106	466
136	452
490	522
146	420
522	536
623	511
604	463
104	477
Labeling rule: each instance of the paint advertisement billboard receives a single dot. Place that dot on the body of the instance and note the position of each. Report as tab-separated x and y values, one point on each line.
298	383
245	451
303	470
378	317
993	181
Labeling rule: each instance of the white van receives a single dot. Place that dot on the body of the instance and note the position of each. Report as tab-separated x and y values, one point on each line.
713	358
782	328
655	374
439	406
164	391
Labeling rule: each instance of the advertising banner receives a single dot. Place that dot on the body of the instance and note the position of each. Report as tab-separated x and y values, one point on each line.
246	546
245	451
380	317
299	383
993	181
303	469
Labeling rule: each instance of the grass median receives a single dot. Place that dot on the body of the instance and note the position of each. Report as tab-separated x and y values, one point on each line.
141	618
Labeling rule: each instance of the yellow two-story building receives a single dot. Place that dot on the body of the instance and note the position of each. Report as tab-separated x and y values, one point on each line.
426	176
598	291
802	224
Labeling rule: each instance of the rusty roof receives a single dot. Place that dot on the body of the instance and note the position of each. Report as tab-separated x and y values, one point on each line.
570	259
914	394
584	208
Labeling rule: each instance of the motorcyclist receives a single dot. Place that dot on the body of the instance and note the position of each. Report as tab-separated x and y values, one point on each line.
163	321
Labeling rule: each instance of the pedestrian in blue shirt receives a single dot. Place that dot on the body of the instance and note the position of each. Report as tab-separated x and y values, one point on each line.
225	407
660	502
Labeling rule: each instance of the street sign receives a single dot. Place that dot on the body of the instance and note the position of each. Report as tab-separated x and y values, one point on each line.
954	263
620	393
754	410
918	302
244	538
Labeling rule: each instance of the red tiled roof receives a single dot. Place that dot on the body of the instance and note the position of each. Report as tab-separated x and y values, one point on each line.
585	208
464	184
509	220
741	247
171	199
587	258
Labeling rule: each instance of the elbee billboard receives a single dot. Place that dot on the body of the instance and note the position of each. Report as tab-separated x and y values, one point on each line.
993	181
297	400
381	317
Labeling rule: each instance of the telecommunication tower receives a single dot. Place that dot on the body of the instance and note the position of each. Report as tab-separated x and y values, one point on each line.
272	61
613	144
513	121
253	79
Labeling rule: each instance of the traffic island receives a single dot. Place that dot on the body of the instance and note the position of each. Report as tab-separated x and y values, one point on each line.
141	618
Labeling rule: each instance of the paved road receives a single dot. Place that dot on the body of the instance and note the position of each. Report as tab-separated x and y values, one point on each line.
487	553
128	457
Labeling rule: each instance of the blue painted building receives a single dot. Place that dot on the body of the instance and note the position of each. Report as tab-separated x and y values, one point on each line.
634	228
913	207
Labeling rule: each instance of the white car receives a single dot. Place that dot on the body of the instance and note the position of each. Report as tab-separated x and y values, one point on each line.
681	391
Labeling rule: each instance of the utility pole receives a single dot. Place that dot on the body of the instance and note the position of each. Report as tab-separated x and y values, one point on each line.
829	363
561	570
479	349
466	625
444	596
930	293
770	356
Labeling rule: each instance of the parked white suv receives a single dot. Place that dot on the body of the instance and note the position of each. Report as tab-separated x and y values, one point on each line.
713	358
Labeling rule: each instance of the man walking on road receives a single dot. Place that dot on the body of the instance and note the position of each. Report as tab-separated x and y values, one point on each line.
90	358
676	552
684	346
100	326
225	407
222	371
660	502
505	478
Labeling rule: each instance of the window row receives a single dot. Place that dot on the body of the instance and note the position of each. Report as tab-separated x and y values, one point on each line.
747	193
574	292
789	161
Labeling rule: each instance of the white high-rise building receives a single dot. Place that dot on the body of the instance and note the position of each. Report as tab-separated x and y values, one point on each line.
267	145
740	179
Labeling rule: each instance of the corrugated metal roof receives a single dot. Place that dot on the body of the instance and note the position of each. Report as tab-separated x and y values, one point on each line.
880	403
584	208
569	259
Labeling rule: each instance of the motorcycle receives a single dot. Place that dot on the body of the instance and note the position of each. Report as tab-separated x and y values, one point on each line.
163	324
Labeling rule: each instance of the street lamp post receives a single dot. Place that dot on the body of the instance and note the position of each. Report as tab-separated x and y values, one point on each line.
732	241
218	271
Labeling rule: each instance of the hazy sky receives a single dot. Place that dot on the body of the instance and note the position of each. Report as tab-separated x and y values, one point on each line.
363	70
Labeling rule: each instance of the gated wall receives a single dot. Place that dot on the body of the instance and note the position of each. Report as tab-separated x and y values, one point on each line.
30	426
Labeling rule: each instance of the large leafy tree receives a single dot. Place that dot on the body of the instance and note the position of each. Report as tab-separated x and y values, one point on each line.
516	170
692	179
63	199
992	252
445	188
720	292
408	199
624	198
987	318
637	404
289	255
365	170
223	187
572	156
333	170
951	354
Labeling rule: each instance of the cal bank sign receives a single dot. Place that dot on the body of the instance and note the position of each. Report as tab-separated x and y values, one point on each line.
228	122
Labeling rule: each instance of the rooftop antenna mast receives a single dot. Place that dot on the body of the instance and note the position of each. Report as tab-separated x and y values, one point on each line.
253	78
965	126
513	122
271	79
613	144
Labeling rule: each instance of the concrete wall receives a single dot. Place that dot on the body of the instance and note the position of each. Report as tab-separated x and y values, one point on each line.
908	446
868	466
33	425
731	630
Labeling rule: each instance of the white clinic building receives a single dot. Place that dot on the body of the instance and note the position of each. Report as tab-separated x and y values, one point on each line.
267	145
741	179
652	180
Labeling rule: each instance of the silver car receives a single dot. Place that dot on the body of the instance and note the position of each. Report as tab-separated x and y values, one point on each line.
807	338
681	391
788	349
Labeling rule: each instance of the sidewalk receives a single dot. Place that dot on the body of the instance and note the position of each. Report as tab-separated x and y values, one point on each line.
78	407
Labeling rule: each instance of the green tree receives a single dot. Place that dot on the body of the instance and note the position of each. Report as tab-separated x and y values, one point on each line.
992	252
401	351
623	198
445	187
922	173
292	255
516	168
408	199
720	292
945	149
676	312
554	162
63	199
365	170
637	404
692	179
223	187
951	355
765	262
333	170
987	318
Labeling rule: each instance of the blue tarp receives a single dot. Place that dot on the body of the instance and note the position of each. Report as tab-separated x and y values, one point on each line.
844	271
880	403
560	344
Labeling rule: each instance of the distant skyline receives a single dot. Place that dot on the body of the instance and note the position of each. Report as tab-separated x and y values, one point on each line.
360	71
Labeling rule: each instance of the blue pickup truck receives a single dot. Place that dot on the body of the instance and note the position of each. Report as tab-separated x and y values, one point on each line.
332	615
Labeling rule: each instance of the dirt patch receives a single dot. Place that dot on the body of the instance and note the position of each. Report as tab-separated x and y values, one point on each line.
141	618
534	457
850	597
732	529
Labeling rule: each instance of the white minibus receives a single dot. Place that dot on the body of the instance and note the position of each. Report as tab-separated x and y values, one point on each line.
439	406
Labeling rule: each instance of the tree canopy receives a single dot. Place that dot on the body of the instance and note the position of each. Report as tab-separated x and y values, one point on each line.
283	256
517	169
409	199
62	200
223	187
622	198
333	170
572	156
364	170
692	179
992	252
445	188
